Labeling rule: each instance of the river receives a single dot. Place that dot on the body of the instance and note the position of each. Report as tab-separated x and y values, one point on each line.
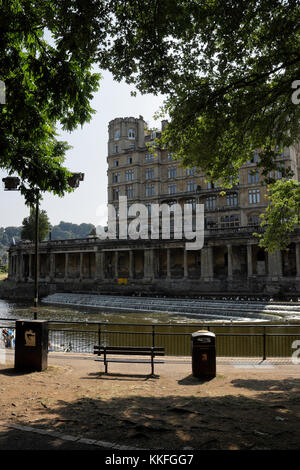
23	310
234	338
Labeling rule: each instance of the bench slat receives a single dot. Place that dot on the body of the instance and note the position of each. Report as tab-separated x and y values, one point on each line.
131	353
138	361
129	348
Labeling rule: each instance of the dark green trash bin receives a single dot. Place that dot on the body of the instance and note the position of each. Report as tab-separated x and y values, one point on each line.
31	345
204	354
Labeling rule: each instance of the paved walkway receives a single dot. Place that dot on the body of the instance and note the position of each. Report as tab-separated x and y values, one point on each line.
16	437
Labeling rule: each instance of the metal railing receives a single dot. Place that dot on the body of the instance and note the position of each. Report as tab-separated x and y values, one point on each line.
234	340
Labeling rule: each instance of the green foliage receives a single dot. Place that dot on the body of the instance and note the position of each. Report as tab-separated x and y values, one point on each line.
62	231
235	97
67	230
282	215
7	235
226	69
46	51
29	226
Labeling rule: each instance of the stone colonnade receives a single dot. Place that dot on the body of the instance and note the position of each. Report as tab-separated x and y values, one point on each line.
215	261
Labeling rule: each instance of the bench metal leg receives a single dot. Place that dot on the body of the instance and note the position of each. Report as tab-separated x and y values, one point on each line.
105	362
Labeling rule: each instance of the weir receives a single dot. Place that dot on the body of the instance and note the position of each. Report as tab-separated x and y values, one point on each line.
237	310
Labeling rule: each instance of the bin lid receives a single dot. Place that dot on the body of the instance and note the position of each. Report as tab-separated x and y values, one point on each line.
203	333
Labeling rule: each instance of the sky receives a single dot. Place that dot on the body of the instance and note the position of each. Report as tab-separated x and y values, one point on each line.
87	204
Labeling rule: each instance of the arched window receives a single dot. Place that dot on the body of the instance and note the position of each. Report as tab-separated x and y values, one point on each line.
117	134
131	134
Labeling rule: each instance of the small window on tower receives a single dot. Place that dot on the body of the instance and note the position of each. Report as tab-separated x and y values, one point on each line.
131	134
117	134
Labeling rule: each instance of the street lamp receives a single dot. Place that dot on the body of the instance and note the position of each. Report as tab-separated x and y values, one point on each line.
74	179
11	183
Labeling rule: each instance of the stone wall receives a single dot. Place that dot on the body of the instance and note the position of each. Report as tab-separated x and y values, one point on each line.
231	264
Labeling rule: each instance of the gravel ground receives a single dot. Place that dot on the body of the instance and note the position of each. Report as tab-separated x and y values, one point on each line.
247	406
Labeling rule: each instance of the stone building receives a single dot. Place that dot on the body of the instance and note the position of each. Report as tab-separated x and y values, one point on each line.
230	262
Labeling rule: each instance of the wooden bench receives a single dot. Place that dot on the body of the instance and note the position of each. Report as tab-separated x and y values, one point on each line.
106	351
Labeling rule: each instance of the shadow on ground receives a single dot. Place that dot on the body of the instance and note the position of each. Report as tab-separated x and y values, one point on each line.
266	420
11	372
121	376
263	385
15	440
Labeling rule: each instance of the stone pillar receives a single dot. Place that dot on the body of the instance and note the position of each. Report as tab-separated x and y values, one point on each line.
30	265
17	270
12	265
153	263
297	259
229	261
275	265
81	266
9	264
148	263
102	265
131	267
21	267
18	267
66	265
249	261
185	263
97	274
34	265
168	263
52	266
207	265
99	265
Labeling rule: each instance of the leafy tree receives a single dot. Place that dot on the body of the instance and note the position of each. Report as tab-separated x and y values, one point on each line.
226	69
12	232
29	226
7	235
67	230
281	216
46	53
229	71
58	234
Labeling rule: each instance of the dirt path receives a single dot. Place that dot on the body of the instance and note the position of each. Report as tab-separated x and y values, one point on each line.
244	407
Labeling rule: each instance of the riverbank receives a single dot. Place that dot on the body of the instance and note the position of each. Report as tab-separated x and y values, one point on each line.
249	405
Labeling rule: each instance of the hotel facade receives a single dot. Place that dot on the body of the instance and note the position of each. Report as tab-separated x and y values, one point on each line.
230	262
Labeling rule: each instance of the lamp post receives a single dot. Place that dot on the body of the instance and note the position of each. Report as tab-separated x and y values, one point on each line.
12	183
36	271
